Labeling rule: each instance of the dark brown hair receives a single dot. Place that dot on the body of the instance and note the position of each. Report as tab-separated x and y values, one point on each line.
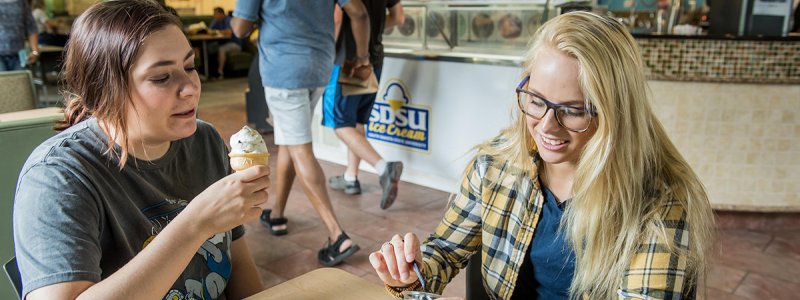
102	46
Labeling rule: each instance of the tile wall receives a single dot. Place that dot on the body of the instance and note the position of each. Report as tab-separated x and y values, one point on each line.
721	60
743	140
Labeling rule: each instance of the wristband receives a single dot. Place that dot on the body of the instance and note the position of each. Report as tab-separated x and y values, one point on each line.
398	292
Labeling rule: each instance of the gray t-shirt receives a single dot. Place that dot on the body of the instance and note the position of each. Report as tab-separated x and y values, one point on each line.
295	40
78	217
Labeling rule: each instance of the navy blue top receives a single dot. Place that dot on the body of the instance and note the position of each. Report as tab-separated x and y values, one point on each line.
225	25
550	263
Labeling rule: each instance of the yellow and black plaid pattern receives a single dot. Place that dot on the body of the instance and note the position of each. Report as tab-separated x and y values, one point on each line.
496	212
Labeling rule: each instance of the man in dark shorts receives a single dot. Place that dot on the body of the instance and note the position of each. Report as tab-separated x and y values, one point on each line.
348	114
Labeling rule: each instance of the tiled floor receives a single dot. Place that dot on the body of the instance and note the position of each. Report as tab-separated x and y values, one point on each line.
749	264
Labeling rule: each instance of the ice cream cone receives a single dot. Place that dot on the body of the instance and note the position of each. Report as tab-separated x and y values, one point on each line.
248	149
242	161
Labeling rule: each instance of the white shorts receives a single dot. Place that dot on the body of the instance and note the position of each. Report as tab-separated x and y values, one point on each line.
291	113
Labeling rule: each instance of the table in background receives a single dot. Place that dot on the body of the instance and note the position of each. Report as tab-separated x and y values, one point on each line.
325	283
204	38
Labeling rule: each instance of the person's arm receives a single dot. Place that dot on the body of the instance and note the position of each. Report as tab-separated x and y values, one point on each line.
33	35
359	22
149	275
245	280
245	15
241	28
229	202
396	16
33	41
445	252
337	21
668	269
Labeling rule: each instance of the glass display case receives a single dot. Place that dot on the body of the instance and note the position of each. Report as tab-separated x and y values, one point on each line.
460	27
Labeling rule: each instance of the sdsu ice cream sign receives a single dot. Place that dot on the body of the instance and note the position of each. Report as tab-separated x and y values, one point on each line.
394	120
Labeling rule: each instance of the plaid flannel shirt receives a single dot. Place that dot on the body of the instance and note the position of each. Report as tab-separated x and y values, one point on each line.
496	213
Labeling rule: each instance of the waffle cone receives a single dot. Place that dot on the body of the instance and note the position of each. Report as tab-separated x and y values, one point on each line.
242	161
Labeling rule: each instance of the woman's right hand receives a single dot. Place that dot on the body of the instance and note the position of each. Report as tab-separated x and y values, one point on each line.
231	201
393	262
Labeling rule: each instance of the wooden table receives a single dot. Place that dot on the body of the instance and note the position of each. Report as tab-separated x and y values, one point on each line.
204	38
325	283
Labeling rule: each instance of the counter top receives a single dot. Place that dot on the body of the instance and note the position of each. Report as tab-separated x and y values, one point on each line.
794	37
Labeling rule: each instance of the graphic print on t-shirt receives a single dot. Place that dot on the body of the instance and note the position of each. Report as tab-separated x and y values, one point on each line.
209	270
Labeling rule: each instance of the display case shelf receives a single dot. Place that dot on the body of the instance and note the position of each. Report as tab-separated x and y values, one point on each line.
463	28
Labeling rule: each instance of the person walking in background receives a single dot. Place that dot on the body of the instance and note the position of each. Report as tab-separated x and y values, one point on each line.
348	114
17	26
296	50
222	25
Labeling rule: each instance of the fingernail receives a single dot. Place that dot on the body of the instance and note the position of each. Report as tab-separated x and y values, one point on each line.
409	258
404	276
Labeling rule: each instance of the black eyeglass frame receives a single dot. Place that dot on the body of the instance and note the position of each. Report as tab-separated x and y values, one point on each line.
550	105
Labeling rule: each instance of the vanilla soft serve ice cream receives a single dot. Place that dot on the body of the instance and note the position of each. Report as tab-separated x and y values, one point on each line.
248	149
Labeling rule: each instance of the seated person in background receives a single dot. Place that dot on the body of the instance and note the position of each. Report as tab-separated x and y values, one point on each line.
135	198
584	196
222	25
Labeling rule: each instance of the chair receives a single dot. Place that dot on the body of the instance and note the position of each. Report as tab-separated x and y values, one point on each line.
12	271
20	133
17	90
475	289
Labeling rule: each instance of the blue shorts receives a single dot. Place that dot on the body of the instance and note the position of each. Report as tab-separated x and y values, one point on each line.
345	111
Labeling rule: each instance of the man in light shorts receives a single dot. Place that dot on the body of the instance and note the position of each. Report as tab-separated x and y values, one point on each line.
296	58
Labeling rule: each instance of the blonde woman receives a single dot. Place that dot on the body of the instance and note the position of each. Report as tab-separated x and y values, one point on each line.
583	196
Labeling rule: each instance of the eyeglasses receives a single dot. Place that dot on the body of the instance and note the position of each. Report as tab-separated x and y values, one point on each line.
572	118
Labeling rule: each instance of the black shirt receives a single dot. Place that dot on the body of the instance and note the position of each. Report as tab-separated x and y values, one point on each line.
346	43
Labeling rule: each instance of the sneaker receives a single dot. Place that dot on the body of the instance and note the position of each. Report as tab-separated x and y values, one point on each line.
350	188
389	180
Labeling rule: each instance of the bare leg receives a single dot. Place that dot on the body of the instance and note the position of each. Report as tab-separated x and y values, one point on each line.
353	161
283	183
313	180
357	148
221	59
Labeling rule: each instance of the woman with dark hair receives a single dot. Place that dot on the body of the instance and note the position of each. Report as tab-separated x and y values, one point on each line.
135	198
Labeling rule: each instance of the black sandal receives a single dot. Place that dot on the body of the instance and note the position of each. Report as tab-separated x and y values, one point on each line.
270	222
330	255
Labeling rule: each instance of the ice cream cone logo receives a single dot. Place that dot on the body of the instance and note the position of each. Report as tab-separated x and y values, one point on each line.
396	96
395	104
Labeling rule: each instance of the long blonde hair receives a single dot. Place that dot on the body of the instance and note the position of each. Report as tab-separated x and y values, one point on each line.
628	161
